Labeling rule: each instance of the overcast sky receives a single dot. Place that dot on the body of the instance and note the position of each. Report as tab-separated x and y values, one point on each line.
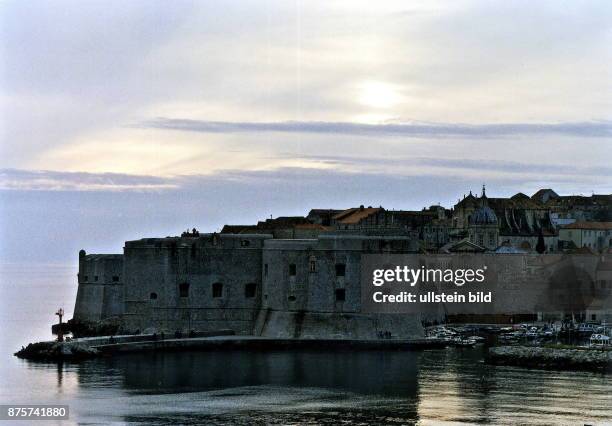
122	120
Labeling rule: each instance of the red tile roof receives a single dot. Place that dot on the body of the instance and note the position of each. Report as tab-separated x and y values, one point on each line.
355	215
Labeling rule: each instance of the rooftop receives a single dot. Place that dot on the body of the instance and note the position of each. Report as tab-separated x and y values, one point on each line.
355	215
602	226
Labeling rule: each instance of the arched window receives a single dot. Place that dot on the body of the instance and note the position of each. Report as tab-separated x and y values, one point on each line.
249	290
184	289
153	296
217	290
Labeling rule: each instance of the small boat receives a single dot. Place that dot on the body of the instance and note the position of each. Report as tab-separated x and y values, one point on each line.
508	337
461	342
587	328
599	340
546	333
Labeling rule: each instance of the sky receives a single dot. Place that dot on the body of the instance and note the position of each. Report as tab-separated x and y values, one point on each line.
122	120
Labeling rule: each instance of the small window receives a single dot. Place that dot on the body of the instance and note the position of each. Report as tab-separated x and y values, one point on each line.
95	278
340	295
340	269
292	269
86	278
266	269
115	278
250	290
245	243
312	265
153	296
184	290
291	298
593	317
217	290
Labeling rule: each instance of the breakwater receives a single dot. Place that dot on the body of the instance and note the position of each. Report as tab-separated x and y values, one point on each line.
551	358
106	346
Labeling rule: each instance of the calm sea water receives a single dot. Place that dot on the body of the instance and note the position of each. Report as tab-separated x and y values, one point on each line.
449	386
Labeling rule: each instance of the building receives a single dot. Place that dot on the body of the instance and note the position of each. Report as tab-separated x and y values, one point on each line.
299	276
593	235
490	222
253	284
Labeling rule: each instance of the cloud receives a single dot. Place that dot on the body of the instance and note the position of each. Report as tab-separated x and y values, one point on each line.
512	174
45	180
500	166
598	129
49	216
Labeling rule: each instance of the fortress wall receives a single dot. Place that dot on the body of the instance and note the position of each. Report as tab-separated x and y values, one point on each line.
168	284
329	325
313	291
171	281
100	287
304	301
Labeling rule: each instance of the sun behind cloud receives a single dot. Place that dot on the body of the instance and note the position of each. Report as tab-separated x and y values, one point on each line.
378	94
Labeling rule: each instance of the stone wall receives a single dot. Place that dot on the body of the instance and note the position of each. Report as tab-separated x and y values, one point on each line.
312	289
100	287
207	282
249	283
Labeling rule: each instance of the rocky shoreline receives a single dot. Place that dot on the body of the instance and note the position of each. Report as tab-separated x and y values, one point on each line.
551	358
57	351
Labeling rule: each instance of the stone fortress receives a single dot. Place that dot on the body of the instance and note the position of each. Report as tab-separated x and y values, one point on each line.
299	277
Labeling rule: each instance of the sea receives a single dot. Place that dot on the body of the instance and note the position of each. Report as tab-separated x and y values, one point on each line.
450	386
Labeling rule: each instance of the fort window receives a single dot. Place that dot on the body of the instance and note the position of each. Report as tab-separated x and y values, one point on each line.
184	290
266	269
291	298
249	290
115	278
245	243
95	278
217	290
312	265
86	278
340	269
340	295
292	269
153	296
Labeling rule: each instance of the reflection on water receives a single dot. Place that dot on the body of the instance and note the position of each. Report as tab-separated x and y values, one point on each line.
430	387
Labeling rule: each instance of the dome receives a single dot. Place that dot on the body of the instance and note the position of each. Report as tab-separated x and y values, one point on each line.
483	216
